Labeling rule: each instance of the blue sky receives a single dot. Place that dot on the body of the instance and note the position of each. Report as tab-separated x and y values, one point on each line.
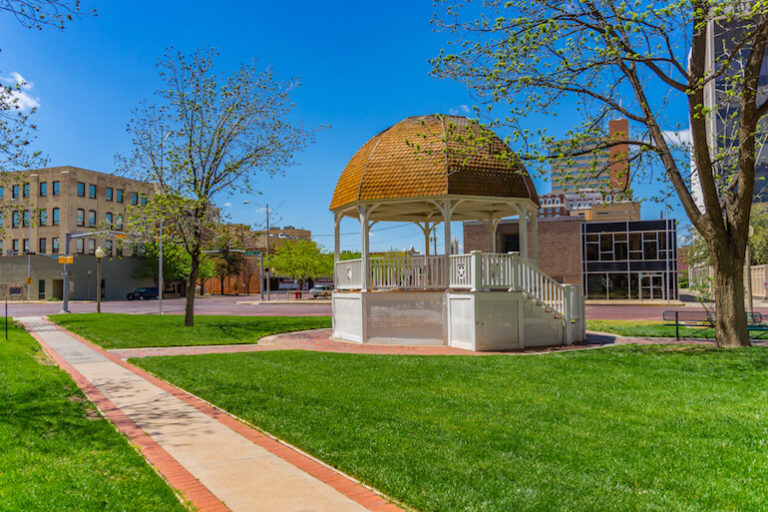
363	67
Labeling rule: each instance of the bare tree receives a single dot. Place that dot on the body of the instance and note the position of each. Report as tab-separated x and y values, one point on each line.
208	135
632	60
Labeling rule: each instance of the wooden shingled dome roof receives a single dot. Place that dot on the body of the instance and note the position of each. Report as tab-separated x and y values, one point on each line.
433	156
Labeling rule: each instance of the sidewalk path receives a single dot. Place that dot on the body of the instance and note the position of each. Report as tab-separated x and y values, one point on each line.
320	340
232	468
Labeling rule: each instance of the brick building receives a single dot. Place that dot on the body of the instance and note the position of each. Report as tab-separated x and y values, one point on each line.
40	206
610	260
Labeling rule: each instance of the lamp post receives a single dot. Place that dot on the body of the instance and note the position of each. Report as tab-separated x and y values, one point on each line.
749	272
160	272
99	254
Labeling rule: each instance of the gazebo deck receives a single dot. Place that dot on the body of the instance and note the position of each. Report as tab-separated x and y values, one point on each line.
472	272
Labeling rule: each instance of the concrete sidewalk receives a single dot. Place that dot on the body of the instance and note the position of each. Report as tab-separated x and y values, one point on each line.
240	473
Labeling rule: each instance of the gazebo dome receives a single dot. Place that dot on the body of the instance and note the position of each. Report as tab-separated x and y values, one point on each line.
433	156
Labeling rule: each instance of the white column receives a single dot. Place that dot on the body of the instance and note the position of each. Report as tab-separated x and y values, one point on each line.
535	236
426	231
447	211
523	230
364	247
337	238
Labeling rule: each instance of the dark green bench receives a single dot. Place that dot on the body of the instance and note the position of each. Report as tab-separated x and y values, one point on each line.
704	320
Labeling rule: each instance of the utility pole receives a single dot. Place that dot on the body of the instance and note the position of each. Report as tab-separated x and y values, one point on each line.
65	275
267	275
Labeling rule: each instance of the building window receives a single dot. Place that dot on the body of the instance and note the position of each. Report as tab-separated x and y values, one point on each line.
80	189
107	247
55	216
91	246
2	192
43	188
26	245
119	195
91	218
119	222
1	247
2	220
43	217
25	218
109	193
134	198
15	219
41	244
143	200
25	190
15	246
110	219
92	191
119	249
56	188
79	245
80	217
15	191
55	245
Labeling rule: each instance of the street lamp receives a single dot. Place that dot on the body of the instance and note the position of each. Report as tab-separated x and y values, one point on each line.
99	254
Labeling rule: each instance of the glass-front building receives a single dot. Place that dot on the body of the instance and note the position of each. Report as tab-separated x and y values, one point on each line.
630	260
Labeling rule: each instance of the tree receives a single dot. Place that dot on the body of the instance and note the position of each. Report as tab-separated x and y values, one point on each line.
229	259
632	60
207	135
302	260
17	132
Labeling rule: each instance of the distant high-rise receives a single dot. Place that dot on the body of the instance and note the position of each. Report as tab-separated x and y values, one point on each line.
587	168
724	38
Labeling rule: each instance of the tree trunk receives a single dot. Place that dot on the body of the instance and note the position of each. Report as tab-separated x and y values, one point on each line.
730	319
189	309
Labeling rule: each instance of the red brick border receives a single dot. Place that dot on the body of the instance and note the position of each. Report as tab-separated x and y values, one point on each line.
176	474
344	484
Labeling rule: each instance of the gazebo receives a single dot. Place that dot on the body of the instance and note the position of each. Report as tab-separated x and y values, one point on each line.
434	169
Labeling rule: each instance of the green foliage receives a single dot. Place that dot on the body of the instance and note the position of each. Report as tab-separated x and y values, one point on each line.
58	452
300	259
175	261
527	60
128	331
206	135
758	243
622	429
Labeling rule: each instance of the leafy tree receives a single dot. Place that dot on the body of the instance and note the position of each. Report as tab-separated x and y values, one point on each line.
206	270
17	132
229	260
609	59
302	260
175	261
207	135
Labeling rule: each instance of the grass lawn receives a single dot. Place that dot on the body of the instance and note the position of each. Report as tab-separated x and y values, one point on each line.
129	331
646	328
56	451
621	429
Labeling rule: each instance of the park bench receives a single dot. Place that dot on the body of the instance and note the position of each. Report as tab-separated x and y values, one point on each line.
703	320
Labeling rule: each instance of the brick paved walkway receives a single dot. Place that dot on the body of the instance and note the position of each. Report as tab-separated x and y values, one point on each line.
217	462
320	340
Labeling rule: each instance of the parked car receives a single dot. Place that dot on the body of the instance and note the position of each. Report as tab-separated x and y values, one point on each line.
142	294
321	290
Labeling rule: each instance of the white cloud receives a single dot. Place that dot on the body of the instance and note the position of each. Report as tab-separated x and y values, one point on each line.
20	94
678	137
461	110
227	204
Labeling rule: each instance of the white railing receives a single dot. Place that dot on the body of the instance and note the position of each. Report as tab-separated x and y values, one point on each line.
347	274
406	272
476	272
460	271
